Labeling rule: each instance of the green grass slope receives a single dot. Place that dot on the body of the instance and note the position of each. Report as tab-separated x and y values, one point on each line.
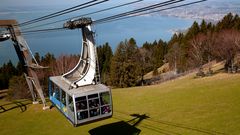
186	106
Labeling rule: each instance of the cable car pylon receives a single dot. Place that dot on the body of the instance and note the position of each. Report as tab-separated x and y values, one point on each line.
26	58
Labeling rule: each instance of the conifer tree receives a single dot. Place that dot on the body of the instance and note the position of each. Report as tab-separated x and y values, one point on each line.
193	30
116	68
125	67
132	66
104	58
203	27
226	23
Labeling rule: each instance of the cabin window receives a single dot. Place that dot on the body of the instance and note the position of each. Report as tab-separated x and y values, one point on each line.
82	115
63	100
104	98
94	105
105	102
56	93
81	103
70	103
92	96
52	86
81	107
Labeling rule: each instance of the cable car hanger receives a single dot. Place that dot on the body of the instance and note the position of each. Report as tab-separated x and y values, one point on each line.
79	94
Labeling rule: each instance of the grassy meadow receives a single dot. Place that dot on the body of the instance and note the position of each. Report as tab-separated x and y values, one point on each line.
186	106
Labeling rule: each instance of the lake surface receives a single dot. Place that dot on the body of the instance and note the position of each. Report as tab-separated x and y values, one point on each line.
143	28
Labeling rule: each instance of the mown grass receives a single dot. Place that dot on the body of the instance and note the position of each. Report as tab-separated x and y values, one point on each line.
186	106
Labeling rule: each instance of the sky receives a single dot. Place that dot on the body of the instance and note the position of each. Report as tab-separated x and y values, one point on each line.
38	2
67	2
49	6
44	7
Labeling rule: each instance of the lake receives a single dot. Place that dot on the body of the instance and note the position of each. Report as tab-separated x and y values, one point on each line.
142	28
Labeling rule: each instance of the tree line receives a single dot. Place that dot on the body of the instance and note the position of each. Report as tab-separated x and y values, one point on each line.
126	66
205	42
200	44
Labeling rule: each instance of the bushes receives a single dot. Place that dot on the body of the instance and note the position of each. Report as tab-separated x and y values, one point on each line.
18	88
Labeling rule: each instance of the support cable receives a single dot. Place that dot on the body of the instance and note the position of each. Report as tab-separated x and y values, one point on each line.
115	18
154	11
43	30
87	14
59	13
162	4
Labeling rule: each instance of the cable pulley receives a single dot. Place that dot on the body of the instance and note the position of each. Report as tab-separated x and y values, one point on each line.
78	23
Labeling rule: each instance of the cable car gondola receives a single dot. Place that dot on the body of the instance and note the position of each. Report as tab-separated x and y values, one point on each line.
78	94
83	104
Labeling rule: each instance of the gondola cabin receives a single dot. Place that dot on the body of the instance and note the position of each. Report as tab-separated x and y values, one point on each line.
83	104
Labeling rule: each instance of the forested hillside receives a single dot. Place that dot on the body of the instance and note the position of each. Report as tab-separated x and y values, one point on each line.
199	45
126	66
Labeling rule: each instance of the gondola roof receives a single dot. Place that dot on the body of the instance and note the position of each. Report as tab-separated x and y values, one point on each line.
88	89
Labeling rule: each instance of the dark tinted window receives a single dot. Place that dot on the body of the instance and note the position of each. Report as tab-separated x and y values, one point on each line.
52	88
94	112
92	96
81	103
63	97
93	103
56	93
105	109
80	98
70	103
82	115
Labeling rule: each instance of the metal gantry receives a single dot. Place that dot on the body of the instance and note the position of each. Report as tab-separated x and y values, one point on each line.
26	58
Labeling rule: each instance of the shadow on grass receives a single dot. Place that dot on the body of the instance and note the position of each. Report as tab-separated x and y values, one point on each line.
121	127
22	105
157	127
185	127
